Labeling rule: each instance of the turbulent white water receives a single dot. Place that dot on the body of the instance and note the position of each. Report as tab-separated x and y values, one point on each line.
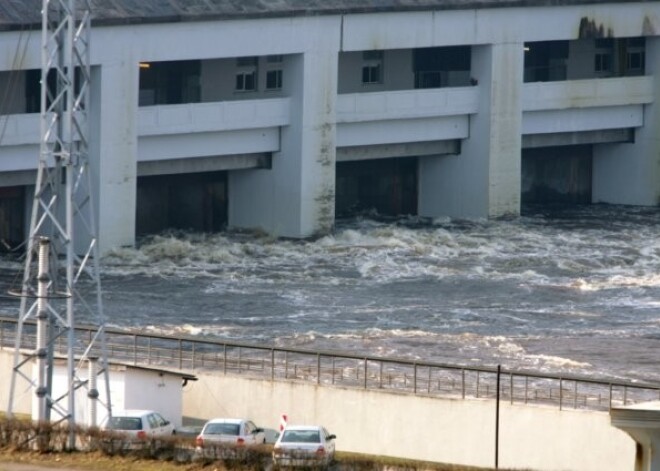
576	291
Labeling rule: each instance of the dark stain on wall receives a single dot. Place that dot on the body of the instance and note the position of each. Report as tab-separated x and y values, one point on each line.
589	29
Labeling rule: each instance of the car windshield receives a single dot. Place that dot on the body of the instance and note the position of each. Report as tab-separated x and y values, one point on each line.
301	436
125	423
222	429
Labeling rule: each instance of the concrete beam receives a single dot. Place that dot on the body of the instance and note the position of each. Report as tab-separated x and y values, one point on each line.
203	164
385	151
530	141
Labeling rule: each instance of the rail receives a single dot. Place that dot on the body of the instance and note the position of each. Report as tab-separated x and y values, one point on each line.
187	353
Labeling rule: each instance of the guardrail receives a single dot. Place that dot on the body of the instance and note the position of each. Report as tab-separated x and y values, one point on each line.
187	353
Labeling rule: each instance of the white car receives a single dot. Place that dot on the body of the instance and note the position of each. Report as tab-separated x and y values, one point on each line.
304	445
139	424
237	432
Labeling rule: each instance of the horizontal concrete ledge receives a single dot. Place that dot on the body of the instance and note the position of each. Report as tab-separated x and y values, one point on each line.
643	415
204	164
531	141
385	151
18	178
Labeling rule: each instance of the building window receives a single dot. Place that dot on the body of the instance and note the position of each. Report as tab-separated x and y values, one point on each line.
635	61
274	72
372	67
274	79
246	74
603	62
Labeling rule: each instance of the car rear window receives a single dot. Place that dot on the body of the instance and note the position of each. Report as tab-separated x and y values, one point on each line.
222	429
301	436
125	423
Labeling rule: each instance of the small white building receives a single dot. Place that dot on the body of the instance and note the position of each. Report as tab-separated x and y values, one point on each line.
275	116
131	387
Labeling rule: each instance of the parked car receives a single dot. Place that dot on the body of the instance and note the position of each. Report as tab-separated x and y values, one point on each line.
138	425
230	432
304	445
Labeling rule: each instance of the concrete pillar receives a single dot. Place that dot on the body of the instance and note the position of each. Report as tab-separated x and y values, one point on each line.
484	179
296	197
113	150
642	423
630	173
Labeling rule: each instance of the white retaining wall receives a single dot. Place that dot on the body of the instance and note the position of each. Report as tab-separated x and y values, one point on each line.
417	427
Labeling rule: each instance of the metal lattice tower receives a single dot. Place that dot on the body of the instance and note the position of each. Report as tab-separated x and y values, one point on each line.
57	283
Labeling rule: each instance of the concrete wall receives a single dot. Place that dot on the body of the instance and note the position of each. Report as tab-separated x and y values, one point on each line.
442	430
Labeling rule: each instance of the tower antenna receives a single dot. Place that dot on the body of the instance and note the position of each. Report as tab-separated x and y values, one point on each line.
61	284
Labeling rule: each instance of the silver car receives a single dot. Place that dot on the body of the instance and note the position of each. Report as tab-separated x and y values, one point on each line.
304	445
225	434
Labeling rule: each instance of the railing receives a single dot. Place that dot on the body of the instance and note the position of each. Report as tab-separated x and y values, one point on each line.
188	354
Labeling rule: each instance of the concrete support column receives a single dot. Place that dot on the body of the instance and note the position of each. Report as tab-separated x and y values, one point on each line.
484	179
630	173
296	197
642	423
113	150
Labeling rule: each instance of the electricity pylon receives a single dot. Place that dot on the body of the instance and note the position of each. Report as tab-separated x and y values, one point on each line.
63	232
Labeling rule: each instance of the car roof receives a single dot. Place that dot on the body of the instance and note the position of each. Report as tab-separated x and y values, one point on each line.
226	421
303	427
132	413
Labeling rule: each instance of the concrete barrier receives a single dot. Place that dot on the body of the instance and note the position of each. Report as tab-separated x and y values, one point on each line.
425	428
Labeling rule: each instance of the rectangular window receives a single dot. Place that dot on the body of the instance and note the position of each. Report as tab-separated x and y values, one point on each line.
274	80
603	62
246	74
635	60
372	67
246	81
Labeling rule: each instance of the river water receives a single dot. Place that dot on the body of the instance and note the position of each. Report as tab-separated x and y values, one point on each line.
566	291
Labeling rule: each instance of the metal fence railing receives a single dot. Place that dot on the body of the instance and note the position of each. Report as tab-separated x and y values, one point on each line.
189	354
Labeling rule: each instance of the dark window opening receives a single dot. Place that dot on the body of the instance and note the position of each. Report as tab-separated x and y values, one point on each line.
442	66
274	80
12	220
372	65
545	61
170	83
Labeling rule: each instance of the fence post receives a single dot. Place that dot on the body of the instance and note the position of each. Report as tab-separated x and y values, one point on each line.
575	393
180	354
561	392
463	382
365	373
526	387
135	349
380	375
286	365
428	389
224	359
239	360
333	370
625	395
511	385
415	378
477	384
272	364
149	351
193	356
318	368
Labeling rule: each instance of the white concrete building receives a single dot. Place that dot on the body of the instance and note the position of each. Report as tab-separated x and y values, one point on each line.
269	115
